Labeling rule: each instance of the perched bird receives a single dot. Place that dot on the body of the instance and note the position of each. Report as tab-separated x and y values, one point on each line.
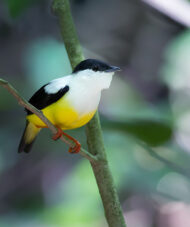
68	102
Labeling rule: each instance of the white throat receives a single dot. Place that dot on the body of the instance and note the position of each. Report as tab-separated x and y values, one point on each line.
85	89
96	81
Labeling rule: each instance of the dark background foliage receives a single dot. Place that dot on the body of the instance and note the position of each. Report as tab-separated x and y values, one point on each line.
145	108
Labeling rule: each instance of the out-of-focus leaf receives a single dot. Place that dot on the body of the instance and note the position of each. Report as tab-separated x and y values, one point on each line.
80	203
176	69
176	74
152	132
176	185
45	59
16	7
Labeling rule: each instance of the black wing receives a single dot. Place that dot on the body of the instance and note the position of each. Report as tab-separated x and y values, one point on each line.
41	99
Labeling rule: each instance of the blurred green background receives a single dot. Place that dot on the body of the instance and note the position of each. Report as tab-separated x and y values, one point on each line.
145	114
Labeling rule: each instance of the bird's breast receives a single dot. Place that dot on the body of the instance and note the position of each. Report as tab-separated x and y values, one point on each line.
83	100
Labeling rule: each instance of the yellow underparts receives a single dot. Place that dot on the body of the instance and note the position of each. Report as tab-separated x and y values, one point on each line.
62	114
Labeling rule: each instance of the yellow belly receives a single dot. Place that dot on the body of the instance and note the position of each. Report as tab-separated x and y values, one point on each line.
62	114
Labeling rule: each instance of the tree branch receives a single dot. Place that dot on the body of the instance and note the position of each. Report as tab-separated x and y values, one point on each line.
101	170
168	163
39	113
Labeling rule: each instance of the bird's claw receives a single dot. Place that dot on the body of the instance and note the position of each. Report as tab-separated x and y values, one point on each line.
76	148
72	150
58	134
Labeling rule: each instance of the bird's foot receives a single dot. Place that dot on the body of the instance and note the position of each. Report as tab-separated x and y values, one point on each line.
74	149
77	146
58	134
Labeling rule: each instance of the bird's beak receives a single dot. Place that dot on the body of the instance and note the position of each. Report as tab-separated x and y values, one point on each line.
113	69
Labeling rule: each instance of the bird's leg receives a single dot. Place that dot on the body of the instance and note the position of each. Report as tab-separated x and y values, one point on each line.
74	149
77	146
58	134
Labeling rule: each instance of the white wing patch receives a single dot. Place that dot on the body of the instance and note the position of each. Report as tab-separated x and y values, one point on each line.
55	85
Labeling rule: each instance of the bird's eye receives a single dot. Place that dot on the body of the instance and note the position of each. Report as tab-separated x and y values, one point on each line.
95	68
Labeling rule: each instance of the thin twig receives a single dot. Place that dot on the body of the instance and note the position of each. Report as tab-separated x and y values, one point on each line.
39	113
168	163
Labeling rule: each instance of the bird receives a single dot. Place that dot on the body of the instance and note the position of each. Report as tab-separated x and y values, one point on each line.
68	102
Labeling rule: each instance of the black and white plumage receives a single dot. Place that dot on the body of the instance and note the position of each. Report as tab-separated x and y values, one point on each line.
69	102
41	99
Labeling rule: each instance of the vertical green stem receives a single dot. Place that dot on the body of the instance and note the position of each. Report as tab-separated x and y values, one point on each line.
103	174
100	168
62	10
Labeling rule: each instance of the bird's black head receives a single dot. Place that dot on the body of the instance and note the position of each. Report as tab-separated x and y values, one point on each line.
95	65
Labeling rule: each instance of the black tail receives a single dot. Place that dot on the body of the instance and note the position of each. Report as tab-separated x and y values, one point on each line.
28	137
